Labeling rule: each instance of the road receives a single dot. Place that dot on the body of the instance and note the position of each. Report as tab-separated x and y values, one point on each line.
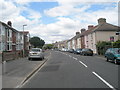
66	70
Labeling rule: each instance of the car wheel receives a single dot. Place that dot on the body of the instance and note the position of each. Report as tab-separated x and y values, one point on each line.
115	61
107	60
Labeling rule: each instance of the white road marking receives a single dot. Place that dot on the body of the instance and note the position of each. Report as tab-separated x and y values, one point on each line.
83	64
74	58
70	56
104	81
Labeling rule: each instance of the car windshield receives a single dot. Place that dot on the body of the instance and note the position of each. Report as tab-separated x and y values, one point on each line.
87	49
79	49
35	50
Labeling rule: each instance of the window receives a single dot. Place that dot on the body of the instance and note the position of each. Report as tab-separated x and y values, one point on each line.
9	46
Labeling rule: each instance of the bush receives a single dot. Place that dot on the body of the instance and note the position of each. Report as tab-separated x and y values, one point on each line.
102	46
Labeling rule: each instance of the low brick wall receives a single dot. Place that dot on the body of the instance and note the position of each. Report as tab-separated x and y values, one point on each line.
6	56
11	55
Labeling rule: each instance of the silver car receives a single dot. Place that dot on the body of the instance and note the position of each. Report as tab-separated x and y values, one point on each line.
36	53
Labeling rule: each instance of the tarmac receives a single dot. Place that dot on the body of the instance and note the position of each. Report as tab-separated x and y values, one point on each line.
18	71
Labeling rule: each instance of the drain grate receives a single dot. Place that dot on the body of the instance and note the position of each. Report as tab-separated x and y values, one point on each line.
50	68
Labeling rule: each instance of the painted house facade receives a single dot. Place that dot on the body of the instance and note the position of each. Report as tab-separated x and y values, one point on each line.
5	37
101	32
90	37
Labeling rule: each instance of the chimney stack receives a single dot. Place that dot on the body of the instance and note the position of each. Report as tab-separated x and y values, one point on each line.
9	23
101	21
83	30
90	27
77	33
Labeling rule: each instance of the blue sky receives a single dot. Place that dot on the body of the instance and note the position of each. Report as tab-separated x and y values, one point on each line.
42	6
59	20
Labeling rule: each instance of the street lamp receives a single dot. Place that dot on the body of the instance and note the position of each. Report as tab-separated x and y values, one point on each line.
23	39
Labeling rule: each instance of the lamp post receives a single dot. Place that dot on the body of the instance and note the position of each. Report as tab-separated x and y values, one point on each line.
23	39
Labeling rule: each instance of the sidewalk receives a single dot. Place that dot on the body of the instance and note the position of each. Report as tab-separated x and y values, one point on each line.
16	71
100	56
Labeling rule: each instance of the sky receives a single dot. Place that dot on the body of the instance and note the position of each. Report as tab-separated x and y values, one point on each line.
57	20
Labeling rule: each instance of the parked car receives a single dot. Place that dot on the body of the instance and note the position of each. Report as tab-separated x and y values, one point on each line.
71	50
87	51
77	51
64	50
36	53
113	54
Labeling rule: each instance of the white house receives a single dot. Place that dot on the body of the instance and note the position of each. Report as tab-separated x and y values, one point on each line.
6	37
101	32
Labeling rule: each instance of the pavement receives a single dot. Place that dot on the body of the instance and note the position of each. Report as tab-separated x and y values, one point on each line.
17	71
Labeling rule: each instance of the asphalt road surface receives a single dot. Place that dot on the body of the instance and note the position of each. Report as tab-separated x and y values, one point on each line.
67	70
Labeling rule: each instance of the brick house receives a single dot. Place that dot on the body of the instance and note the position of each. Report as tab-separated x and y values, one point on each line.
12	39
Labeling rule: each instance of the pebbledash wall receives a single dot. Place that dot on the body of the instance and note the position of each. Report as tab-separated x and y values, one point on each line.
89	38
2	38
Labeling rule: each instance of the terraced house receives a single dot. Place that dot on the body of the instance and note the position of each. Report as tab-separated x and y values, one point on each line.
11	40
88	38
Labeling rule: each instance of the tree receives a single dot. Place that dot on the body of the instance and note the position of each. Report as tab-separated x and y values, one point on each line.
37	42
48	46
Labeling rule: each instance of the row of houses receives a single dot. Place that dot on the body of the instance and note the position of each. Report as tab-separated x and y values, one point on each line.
88	38
12	40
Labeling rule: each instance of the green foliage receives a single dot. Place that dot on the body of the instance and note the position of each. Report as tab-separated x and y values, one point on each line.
102	46
48	46
37	42
116	44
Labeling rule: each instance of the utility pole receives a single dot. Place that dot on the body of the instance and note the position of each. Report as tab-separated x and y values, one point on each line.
24	40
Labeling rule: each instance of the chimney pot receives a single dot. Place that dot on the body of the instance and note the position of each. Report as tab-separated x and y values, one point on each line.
90	27
9	23
77	33
101	21
83	30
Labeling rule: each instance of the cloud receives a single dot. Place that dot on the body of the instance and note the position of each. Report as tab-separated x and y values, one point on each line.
65	10
71	17
12	12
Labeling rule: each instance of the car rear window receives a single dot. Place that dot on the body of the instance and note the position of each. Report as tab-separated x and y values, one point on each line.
116	50
35	50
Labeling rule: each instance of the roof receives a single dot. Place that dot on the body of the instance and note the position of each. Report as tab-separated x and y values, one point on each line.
102	27
106	27
9	26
